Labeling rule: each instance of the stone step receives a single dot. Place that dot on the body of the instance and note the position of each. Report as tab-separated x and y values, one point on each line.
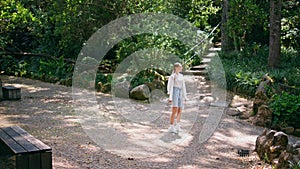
202	91
199	67
213	49
204	87
195	72
202	95
205	61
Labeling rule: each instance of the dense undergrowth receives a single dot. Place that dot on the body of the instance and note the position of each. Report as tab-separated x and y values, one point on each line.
244	70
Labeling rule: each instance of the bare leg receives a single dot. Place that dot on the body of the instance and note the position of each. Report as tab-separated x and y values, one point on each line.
178	114
174	111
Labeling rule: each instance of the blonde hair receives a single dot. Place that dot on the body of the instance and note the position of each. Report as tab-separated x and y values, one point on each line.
177	64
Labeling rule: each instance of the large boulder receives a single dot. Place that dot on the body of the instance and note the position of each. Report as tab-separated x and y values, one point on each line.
141	92
156	84
263	116
263	143
271	145
121	89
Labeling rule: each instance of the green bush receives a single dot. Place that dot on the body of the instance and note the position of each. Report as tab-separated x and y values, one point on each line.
145	77
103	82
52	70
8	65
244	70
286	109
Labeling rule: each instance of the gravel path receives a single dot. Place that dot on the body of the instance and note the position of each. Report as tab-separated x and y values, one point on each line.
47	111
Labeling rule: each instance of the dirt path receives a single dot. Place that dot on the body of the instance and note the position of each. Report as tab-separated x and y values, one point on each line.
47	112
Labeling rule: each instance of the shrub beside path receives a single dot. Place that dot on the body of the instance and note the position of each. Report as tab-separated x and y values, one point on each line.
129	140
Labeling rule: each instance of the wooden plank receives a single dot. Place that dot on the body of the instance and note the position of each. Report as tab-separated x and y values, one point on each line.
37	143
11	143
34	161
22	161
46	160
20	140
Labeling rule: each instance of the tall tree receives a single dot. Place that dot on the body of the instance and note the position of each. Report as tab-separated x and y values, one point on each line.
226	41
275	30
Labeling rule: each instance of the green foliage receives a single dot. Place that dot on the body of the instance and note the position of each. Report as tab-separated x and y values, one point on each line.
59	28
286	108
248	22
53	70
245	16
103	82
146	76
290	24
244	70
294	165
197	11
200	12
144	41
15	25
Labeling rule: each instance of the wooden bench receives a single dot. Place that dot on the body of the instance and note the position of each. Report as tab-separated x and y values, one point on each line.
20	150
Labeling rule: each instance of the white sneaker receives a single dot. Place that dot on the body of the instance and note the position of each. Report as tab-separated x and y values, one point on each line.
172	129
177	128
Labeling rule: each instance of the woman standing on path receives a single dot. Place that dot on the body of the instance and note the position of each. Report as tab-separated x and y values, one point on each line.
177	94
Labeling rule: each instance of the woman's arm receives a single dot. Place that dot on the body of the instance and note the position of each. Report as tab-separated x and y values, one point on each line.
170	87
184	90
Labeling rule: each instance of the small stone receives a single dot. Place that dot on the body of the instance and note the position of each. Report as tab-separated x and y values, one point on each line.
297	144
297	132
233	112
241	109
280	139
288	130
290	147
207	99
296	158
244	116
298	152
270	134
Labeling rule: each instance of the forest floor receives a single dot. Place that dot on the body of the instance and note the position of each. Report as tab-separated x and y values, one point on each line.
47	112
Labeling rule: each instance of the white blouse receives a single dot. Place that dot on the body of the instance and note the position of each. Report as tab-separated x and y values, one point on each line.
176	80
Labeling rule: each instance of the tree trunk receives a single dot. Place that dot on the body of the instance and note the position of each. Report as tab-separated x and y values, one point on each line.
226	41
275	29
